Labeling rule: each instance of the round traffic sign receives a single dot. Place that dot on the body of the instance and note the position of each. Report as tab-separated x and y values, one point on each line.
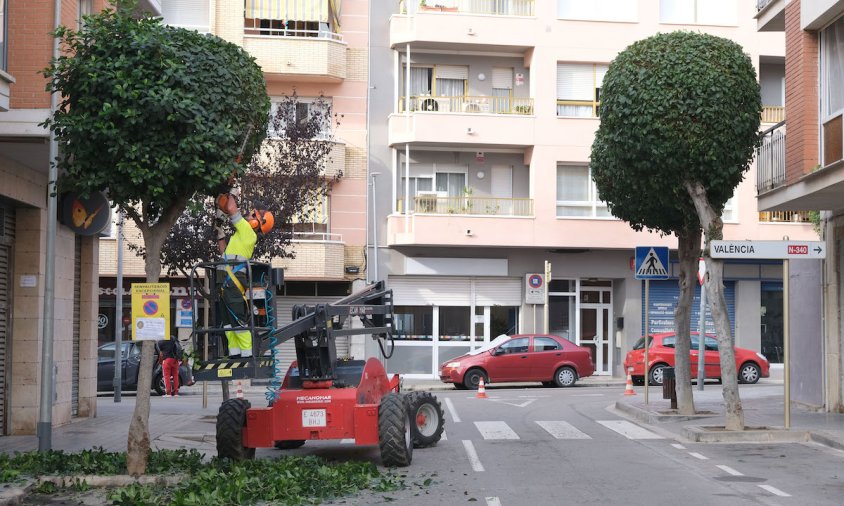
535	281
150	307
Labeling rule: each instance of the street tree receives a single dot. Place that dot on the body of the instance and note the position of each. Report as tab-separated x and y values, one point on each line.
680	117
152	115
288	176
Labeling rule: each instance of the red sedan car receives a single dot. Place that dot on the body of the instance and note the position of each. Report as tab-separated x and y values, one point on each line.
750	365
549	359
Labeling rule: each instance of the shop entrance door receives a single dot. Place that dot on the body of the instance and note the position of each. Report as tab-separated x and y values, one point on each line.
596	331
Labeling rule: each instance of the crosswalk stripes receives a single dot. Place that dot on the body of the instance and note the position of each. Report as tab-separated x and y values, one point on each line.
563	430
496	430
628	429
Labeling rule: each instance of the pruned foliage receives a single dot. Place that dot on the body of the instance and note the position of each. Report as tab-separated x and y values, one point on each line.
287	175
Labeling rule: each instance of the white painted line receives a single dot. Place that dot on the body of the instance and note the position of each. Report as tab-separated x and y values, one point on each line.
729	470
443	437
629	430
492	501
678	446
774	490
473	456
496	430
452	411
347	441
563	430
698	456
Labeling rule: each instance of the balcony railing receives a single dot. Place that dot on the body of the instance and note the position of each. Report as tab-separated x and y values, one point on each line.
255	27
773	113
473	104
484	7
770	159
785	217
317	237
475	206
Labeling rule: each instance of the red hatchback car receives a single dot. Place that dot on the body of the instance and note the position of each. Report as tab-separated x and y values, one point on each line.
750	365
549	359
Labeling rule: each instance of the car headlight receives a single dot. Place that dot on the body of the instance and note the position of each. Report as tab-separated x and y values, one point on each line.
453	365
761	356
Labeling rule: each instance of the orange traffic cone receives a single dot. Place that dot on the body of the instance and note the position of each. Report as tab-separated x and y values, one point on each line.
629	389
481	390
239	394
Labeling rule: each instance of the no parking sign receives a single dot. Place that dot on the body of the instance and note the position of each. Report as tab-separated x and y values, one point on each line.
150	311
534	289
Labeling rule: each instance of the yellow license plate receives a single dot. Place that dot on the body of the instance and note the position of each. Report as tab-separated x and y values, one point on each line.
224	373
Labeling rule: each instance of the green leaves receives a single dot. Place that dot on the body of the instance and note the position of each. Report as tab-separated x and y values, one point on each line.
675	107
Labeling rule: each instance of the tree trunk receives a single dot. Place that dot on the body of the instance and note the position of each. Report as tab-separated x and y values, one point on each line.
714	282
138	444
688	247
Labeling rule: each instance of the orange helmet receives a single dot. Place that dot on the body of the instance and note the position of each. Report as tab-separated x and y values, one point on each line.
261	220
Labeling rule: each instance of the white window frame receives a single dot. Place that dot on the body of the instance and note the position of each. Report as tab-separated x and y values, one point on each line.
325	134
621	11
598	71
730	213
593	203
730	8
825	87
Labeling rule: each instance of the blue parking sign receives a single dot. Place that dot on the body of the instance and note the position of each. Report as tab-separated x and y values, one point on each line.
652	262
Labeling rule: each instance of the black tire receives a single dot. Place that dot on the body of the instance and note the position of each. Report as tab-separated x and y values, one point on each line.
565	377
460	386
749	373
230	422
288	445
158	384
656	374
394	430
472	379
638	380
426	419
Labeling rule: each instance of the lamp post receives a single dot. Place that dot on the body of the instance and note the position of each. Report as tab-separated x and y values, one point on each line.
372	177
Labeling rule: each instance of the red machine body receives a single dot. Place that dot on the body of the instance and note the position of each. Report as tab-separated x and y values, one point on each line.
316	411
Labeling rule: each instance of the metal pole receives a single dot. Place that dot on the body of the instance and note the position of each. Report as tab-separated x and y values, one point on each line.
207	316
44	428
545	309
647	331
786	344
118	314
374	231
701	348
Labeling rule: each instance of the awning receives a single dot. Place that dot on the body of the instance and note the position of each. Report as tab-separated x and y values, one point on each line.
325	11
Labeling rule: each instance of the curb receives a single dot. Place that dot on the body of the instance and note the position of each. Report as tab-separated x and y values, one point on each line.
717	434
14	496
825	439
655	418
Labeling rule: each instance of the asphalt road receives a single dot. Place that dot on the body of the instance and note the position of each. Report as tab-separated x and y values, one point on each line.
568	446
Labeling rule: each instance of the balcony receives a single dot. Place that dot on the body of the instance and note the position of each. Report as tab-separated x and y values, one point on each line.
478	125
334	164
785	217
770	159
470	206
477	104
475	24
773	113
318	256
770	15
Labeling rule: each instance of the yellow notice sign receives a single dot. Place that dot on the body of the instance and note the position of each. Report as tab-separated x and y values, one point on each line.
150	311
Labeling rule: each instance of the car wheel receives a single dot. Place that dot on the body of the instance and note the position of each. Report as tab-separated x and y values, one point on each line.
656	374
565	377
460	386
231	420
394	431
638	380
749	373
158	384
472	379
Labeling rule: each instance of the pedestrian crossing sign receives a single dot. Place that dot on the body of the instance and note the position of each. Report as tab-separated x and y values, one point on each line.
652	262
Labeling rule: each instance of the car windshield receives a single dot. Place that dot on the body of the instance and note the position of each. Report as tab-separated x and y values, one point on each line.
490	345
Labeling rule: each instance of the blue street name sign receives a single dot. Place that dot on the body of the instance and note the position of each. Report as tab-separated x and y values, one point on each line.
652	262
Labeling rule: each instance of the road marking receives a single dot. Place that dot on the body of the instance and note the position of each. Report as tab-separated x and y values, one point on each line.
678	446
511	402
698	456
729	470
443	437
533	397
774	490
628	429
563	430
473	456
496	430
492	501
452	411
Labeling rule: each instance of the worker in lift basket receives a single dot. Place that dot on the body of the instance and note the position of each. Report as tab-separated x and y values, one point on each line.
239	247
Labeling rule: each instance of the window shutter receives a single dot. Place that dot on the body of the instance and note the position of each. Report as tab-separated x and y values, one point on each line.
502	78
452	72
575	81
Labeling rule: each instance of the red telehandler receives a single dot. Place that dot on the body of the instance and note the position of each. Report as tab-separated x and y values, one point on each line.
319	397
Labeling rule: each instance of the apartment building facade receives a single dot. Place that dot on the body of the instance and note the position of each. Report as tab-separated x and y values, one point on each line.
481	131
802	166
26	49
315	48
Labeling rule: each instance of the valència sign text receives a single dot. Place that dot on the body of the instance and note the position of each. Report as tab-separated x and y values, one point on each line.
785	250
